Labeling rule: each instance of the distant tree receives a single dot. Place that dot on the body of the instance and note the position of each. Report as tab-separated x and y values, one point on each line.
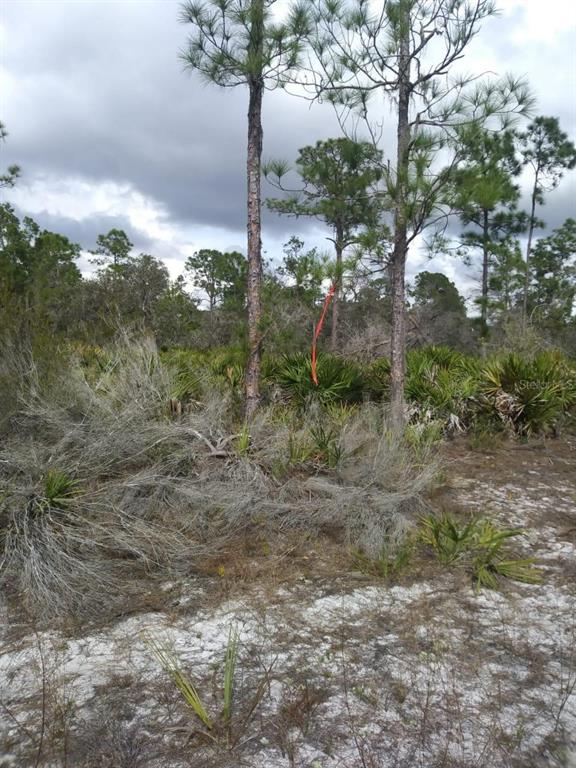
15	252
236	42
146	280
435	291
222	276
485	193
506	278
113	250
547	151
306	270
438	313
552	278
38	272
176	316
338	187
8	179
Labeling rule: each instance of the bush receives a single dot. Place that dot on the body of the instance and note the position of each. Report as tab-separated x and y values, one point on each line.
339	380
528	395
101	487
377	378
480	547
440	384
524	395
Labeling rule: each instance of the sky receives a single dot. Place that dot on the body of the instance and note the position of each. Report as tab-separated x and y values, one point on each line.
110	131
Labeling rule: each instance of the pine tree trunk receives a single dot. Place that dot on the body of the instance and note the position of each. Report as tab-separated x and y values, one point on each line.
531	229
485	266
400	251
337	292
254	246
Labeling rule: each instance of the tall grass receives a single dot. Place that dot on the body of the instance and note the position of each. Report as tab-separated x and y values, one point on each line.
100	486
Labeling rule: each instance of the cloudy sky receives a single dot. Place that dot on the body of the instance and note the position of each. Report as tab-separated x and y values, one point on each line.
111	132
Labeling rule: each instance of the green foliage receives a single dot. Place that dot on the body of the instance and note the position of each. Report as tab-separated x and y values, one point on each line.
222	276
113	250
449	542
235	42
526	395
390	560
549	153
242	444
188	383
171	665
338	379
306	270
38	274
195	370
59	489
486	195
436	292
337	177
479	546
8	179
229	674
552	278
439	384
93	358
326	444
377	378
529	395
447	391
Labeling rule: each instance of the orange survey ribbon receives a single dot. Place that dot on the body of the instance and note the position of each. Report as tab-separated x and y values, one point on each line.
318	330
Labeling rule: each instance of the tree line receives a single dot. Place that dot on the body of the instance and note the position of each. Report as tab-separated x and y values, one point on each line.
458	157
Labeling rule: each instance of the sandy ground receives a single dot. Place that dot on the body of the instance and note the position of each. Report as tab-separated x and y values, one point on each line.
335	668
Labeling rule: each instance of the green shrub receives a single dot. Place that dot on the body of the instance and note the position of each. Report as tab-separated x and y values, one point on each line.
440	386
479	546
377	378
59	489
339	380
528	395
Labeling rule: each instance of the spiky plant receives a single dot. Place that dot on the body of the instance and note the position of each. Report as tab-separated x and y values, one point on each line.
529	395
171	665
339	380
377	378
59	489
479	545
449	541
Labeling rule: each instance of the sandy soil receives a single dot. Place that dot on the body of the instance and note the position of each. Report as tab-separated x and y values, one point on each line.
335	668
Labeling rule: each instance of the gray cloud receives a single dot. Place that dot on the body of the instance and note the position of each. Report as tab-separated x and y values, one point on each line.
96	90
100	93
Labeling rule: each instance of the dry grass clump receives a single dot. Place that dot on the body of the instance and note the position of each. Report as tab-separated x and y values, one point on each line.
100	485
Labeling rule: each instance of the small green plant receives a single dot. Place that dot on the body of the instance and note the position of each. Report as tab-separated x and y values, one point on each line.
170	664
528	395
243	441
388	562
479	545
59	490
326	445
300	450
449	541
229	673
187	384
339	380
490	565
377	378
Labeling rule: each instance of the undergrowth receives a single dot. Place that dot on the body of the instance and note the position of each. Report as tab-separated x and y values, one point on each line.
102	484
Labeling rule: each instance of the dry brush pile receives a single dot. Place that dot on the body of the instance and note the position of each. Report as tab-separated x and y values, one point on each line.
102	486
